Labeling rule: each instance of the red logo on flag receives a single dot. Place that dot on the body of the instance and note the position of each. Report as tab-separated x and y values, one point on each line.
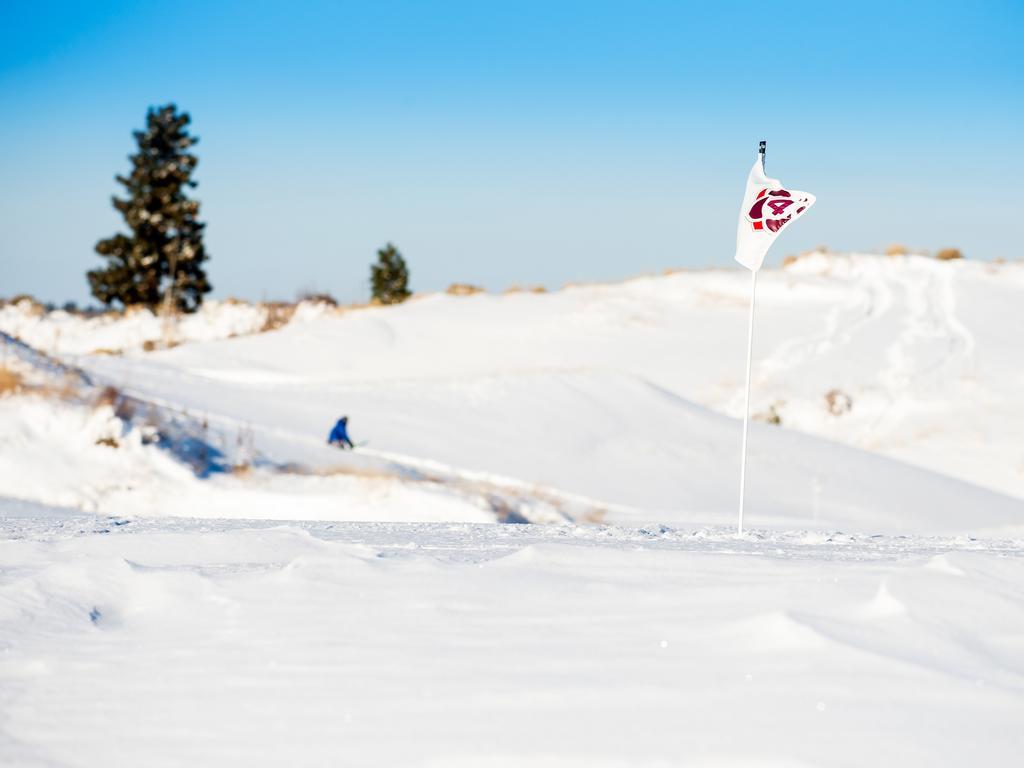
772	208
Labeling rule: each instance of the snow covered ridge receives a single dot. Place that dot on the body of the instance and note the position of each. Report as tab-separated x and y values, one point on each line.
58	332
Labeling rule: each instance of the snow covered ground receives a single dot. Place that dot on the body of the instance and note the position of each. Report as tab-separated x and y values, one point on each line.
182	642
184	580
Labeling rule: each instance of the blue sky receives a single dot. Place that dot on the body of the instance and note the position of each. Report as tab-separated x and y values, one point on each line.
528	142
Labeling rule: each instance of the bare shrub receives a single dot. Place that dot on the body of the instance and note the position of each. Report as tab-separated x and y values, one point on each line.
949	254
593	517
61	386
66	388
109	442
530	288
107	396
812	252
279	314
838	402
505	511
345	470
897	250
108	352
125	408
152	345
245	448
315	297
463	289
11	382
771	416
28	302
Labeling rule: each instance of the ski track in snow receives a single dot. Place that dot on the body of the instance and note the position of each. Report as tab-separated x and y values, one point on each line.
928	307
895	340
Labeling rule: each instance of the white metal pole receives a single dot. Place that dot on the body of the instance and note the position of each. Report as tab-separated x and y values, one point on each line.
746	400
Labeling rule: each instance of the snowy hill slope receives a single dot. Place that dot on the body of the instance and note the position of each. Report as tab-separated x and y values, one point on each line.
69	442
131	460
671	461
595	391
928	352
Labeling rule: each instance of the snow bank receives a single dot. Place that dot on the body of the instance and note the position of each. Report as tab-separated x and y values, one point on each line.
63	333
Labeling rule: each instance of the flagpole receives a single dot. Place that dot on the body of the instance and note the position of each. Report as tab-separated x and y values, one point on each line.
761	150
746	400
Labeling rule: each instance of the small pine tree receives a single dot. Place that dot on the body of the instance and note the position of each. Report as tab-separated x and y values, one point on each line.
389	277
160	262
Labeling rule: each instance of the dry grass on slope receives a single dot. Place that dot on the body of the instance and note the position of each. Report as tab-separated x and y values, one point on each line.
11	382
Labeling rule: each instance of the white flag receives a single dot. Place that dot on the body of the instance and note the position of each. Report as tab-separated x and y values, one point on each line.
767	208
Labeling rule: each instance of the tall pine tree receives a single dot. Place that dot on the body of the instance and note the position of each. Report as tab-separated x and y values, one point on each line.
160	262
389	277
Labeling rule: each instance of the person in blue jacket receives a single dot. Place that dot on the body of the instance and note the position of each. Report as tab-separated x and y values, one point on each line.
339	435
